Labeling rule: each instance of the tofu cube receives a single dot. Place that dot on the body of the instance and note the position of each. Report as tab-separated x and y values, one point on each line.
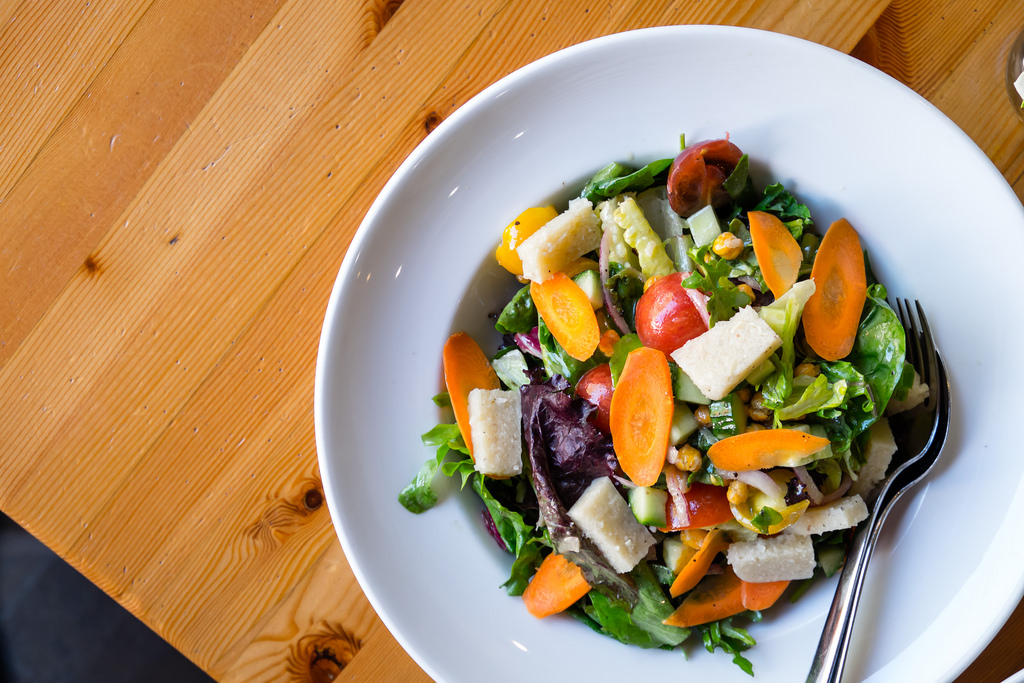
839	514
561	241
878	452
784	557
604	517
495	427
722	357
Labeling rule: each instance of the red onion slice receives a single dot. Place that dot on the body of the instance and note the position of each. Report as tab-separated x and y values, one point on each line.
760	480
840	491
604	267
813	492
677	487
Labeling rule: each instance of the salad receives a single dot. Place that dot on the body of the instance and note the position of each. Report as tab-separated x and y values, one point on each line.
688	407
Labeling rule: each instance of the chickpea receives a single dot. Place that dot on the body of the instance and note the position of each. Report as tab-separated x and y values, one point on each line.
703	416
807	370
737	492
728	246
689	458
757	410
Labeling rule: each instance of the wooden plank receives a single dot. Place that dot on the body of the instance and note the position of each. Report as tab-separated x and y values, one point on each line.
81	162
40	41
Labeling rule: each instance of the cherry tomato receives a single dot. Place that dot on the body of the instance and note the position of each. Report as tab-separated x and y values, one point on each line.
595	387
668	315
707	505
697	173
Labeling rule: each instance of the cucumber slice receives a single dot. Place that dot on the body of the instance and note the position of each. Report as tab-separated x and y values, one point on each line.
728	416
590	282
683	424
684	388
648	505
704	226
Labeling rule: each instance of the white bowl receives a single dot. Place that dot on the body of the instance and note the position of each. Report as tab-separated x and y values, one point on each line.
938	220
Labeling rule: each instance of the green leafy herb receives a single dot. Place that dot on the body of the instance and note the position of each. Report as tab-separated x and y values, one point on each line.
640	625
712	278
738	181
615	178
730	639
793	213
556	360
622	348
419	495
519	315
510	366
626	286
766	518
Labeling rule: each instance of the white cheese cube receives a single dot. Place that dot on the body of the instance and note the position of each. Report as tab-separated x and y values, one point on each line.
878	452
562	240
784	557
842	513
916	395
495	427
722	357
605	518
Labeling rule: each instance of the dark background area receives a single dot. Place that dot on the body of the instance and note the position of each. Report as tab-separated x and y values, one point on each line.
56	626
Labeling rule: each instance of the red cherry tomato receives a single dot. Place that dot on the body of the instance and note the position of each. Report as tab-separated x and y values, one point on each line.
668	315
707	505
697	173
595	387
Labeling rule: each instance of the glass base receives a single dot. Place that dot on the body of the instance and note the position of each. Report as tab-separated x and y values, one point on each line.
1015	74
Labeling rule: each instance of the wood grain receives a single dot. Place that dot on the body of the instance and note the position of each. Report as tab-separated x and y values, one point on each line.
176	197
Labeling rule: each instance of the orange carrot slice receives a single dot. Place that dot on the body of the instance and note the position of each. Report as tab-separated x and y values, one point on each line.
759	596
693	571
832	314
557	584
567	312
714	598
764	449
640	415
465	368
777	251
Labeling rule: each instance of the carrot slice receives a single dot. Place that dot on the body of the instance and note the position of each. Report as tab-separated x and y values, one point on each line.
693	571
567	312
465	368
832	314
777	251
764	449
759	596
714	598
557	584
640	415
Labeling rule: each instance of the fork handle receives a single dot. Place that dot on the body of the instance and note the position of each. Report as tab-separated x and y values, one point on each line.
830	657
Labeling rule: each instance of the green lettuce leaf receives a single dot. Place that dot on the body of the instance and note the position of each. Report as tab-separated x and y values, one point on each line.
616	178
419	495
519	315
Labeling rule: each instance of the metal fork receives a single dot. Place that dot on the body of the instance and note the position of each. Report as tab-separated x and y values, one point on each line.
830	657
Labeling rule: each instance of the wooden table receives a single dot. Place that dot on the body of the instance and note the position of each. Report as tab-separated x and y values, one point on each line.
179	180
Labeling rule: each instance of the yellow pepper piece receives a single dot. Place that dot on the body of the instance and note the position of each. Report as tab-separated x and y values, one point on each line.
527	223
744	514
